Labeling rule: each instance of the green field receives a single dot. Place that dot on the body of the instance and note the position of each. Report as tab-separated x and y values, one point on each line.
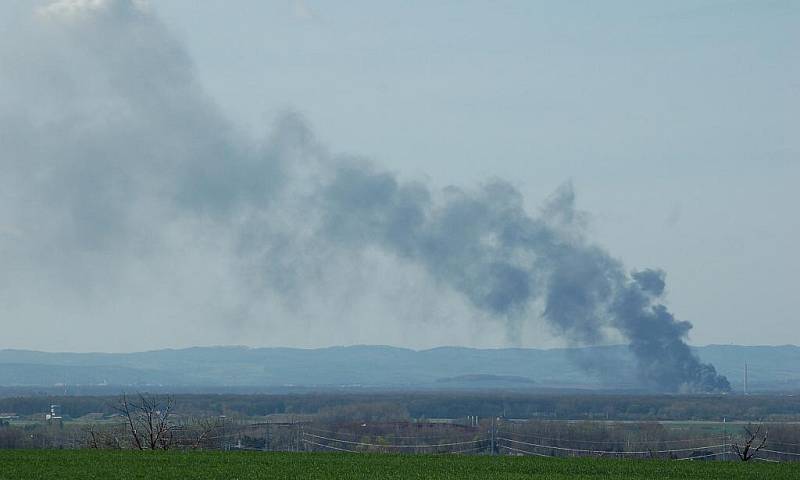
65	464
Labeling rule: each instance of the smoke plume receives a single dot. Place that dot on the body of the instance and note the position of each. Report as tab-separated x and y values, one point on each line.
128	197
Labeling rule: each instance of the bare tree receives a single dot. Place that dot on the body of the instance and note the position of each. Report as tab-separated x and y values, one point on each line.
148	420
204	428
747	451
92	436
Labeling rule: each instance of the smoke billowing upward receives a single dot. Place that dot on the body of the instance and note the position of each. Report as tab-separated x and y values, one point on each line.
484	244
125	186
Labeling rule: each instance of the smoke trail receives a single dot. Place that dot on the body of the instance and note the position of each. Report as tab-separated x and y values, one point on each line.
485	245
125	180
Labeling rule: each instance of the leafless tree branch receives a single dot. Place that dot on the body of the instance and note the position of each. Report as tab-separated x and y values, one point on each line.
747	451
149	421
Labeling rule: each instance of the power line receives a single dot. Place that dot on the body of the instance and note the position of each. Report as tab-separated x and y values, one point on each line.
357	435
699	456
500	439
644	452
773	442
469	450
611	442
779	452
350	442
330	446
765	460
525	451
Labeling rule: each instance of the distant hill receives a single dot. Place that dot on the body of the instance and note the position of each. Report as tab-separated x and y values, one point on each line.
484	379
770	368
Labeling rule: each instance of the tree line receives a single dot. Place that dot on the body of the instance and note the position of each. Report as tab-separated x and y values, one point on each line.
756	408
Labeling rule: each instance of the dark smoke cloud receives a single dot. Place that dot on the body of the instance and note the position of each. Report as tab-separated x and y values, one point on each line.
484	244
125	182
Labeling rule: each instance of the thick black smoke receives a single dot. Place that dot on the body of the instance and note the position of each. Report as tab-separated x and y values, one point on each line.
123	182
485	245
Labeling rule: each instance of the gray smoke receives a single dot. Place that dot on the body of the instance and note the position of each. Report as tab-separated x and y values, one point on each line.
123	185
484	244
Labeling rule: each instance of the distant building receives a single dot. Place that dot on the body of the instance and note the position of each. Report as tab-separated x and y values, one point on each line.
8	416
55	413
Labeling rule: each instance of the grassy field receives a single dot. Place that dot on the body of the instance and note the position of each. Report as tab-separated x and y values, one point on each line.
88	464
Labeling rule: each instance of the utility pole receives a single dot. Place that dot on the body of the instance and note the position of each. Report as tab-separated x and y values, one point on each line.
224	446
493	443
301	445
724	441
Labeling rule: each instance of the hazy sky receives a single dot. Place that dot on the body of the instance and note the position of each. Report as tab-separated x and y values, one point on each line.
678	124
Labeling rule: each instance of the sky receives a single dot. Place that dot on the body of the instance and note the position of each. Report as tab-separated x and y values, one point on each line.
675	123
